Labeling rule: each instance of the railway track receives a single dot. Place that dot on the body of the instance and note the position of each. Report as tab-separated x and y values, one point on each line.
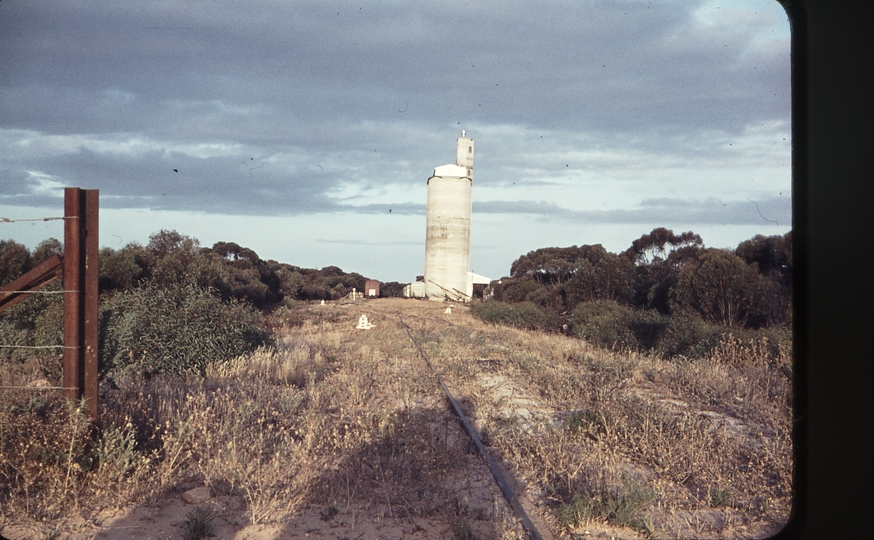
500	480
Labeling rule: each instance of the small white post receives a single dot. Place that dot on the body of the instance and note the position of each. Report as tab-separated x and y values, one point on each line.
363	323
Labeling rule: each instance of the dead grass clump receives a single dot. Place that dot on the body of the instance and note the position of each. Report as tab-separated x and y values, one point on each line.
41	468
235	432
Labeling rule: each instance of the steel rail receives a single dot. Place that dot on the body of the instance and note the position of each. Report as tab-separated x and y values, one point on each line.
496	473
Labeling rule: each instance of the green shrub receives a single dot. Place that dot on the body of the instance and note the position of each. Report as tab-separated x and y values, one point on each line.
177	329
688	335
515	290
38	321
197	524
648	325
582	420
720	497
604	323
548	298
14	332
624	507
522	315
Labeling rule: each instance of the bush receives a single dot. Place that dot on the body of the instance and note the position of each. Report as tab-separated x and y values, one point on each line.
762	346
44	441
36	322
722	288
607	323
625	507
178	329
548	298
648	325
688	335
516	290
604	323
522	315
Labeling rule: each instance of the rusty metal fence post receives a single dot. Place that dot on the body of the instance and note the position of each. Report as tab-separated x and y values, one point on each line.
80	296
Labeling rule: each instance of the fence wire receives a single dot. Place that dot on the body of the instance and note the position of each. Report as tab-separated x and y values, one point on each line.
38	388
4	294
7	220
38	292
39	346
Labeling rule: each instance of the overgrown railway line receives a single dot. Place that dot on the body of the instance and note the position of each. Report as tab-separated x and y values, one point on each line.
599	402
502	483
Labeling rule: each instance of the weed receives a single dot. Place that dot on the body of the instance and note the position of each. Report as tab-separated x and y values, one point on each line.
329	513
622	507
463	531
197	524
116	452
720	497
578	421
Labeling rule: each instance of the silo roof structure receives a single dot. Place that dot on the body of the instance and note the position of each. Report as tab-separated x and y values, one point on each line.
455	171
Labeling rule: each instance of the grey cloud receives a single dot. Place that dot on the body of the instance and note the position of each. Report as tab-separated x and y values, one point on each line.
177	181
767	211
603	65
386	208
365	93
523	207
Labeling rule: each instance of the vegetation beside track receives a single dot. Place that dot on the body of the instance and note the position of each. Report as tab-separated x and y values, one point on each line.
351	422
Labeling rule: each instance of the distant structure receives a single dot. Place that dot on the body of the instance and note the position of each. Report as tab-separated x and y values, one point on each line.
371	288
447	229
415	289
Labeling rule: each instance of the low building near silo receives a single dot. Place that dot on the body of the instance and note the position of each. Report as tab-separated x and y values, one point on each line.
371	288
415	289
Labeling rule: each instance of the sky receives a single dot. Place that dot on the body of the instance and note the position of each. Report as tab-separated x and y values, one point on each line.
307	130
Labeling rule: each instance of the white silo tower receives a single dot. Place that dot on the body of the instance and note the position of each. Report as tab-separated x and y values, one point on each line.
447	237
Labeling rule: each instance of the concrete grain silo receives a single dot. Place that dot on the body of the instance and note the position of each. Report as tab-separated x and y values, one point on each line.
447	237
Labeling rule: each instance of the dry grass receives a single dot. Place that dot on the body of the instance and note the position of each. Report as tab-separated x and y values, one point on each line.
351	421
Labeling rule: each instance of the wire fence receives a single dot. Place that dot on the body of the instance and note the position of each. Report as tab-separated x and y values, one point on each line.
37	292
35	347
38	387
55	218
78	269
7	293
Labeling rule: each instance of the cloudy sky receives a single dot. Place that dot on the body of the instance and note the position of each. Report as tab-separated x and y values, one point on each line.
307	130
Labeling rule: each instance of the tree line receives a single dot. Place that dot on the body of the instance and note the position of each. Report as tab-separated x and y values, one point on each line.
170	305
649	292
666	292
170	258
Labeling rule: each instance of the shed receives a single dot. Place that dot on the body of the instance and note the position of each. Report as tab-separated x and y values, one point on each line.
415	289
371	288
